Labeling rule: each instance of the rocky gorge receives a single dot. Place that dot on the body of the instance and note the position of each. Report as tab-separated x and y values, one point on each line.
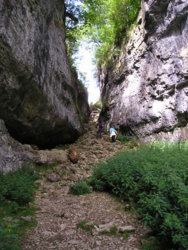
41	101
57	163
145	93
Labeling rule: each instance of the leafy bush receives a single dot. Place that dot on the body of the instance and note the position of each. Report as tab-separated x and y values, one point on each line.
18	186
96	105
8	241
80	188
16	191
122	138
155	178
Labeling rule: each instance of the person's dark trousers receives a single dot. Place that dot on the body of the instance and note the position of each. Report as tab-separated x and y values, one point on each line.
99	135
113	138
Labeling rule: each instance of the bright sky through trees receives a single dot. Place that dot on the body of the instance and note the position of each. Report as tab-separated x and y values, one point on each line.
86	67
106	24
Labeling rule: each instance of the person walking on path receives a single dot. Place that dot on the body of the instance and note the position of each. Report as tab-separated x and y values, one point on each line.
99	129
113	134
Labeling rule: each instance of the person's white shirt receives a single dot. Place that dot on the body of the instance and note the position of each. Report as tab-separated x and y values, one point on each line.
112	132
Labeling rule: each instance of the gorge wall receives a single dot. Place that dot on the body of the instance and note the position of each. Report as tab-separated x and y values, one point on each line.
41	100
146	92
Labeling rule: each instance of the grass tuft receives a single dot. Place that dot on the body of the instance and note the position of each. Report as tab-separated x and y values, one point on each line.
84	225
80	188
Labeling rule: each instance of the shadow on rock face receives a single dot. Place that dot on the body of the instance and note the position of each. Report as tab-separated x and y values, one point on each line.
44	136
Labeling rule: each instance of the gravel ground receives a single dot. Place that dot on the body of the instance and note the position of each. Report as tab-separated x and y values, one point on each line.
60	213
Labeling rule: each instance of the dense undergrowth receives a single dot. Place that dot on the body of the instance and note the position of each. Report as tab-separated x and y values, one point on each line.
16	193
154	178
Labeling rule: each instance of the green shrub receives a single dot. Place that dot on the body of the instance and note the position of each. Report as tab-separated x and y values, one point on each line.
18	186
151	244
16	191
155	178
96	105
80	188
122	138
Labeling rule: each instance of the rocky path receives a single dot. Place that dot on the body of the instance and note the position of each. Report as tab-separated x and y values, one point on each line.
85	222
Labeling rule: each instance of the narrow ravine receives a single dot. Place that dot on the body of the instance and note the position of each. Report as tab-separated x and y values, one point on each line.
60	213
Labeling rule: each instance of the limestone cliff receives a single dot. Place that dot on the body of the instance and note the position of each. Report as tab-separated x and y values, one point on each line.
146	92
39	94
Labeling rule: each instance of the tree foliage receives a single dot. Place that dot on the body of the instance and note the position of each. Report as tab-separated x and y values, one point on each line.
105	22
73	20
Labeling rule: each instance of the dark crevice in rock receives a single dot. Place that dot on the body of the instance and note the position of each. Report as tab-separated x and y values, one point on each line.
176	27
119	79
182	85
60	134
155	15
127	130
183	119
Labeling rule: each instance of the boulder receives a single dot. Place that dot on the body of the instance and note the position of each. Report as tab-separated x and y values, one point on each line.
73	154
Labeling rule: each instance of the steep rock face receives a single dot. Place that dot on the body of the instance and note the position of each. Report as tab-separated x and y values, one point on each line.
147	91
38	92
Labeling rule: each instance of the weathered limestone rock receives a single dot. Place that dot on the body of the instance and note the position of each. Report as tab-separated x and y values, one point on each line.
50	157
12	153
26	218
126	229
53	177
40	99
104	227
147	91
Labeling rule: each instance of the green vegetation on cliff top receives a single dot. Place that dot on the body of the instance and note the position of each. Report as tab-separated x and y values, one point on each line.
105	22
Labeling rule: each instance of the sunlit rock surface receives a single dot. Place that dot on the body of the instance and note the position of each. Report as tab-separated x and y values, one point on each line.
41	102
146	93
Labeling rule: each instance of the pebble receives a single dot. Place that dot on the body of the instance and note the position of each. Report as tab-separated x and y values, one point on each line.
53	177
26	218
126	229
10	219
